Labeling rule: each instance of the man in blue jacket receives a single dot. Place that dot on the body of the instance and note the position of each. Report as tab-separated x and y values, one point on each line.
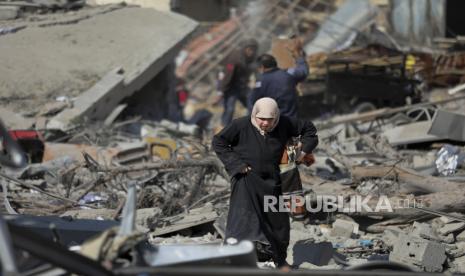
281	84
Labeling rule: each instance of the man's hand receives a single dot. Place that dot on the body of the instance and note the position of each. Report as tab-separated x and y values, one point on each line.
296	47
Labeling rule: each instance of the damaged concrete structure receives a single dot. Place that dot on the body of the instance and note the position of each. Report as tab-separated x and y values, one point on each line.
95	61
107	62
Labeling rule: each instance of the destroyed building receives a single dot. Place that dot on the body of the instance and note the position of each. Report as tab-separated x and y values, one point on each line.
95	162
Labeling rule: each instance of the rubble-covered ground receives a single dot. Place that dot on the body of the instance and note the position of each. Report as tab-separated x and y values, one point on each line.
387	183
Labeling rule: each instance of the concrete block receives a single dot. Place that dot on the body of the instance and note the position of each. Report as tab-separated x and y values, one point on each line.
422	161
9	12
460	237
344	228
447	239
391	235
446	220
411	250
451	228
459	250
14	119
458	265
425	231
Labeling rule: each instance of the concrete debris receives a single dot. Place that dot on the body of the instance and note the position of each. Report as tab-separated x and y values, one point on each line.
458	265
448	125
452	228
343	228
410	134
179	223
391	235
461	237
7	13
109	128
425	231
411	250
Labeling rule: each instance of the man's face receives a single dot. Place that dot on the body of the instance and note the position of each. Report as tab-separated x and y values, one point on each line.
265	124
250	52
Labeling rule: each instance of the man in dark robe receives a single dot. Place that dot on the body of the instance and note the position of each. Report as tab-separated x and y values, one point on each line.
251	150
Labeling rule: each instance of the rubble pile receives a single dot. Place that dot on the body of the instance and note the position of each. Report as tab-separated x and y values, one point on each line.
92	169
407	181
386	184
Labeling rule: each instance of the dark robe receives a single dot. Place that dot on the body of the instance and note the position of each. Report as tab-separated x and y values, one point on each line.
239	145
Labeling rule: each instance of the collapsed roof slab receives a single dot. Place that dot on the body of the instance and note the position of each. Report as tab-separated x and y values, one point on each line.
41	63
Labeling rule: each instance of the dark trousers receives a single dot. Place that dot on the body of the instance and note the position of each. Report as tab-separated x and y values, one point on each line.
229	103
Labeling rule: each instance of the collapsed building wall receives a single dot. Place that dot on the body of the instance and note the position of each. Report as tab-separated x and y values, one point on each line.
94	58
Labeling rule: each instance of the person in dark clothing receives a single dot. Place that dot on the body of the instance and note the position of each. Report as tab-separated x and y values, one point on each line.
234	84
250	149
281	84
177	101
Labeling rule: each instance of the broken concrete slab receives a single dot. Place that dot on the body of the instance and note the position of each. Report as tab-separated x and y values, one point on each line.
147	217
14	120
425	231
114	114
194	217
449	219
458	251
132	153
448	125
451	228
424	160
461	237
425	254
9	12
72	58
447	238
94	104
410	134
344	228
458	265
52	108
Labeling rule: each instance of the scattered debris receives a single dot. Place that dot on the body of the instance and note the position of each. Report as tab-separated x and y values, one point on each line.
88	149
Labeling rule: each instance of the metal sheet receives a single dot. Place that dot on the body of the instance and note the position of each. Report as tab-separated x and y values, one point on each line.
340	28
448	125
240	255
410	134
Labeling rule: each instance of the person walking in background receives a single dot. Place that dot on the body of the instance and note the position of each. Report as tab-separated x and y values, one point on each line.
234	82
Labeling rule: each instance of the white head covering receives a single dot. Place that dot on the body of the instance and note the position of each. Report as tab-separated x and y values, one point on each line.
265	108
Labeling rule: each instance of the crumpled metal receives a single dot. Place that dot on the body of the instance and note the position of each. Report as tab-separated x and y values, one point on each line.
448	159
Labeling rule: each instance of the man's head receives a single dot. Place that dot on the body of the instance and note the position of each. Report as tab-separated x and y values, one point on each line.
266	62
265	114
250	47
